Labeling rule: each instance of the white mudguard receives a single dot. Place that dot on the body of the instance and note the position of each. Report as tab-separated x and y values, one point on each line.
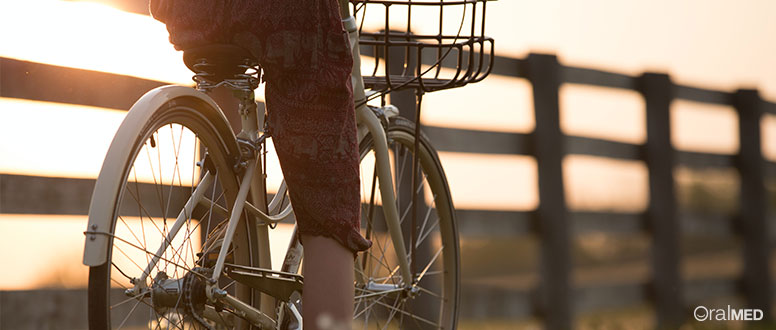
109	182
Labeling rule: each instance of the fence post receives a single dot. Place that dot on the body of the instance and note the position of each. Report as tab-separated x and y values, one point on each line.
756	280
662	211
555	295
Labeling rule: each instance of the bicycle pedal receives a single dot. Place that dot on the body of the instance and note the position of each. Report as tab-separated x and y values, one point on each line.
280	285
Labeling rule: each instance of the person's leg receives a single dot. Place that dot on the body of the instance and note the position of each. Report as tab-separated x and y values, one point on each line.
327	302
307	65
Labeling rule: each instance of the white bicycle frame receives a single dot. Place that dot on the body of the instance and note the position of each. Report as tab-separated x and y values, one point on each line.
101	210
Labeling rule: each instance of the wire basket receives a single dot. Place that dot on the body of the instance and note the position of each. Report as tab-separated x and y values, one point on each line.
439	44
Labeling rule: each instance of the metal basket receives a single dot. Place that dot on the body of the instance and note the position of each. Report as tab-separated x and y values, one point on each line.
439	44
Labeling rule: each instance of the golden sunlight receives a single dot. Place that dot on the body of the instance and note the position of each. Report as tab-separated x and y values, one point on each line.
38	236
498	103
54	139
596	183
703	127
89	36
491	182
604	113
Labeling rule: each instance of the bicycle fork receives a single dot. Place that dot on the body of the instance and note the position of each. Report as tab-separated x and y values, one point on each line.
367	118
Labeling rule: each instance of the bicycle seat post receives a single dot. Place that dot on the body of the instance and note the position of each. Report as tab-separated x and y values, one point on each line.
248	110
231	66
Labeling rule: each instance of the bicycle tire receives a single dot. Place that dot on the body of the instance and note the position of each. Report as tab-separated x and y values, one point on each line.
441	285
372	312
205	132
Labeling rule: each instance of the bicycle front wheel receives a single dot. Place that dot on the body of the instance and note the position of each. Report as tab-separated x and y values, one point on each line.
161	250
381	301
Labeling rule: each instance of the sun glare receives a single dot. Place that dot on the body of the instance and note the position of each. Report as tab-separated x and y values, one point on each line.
89	36
704	127
55	139
605	184
604	113
491	182
498	103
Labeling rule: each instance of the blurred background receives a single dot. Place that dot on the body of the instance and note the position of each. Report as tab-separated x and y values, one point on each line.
647	128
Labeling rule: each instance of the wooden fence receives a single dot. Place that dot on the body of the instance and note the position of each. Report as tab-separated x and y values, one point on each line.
555	300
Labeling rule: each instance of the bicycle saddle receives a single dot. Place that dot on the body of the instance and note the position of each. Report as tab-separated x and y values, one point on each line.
219	61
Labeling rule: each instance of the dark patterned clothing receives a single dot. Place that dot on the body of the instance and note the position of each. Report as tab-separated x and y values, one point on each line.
305	54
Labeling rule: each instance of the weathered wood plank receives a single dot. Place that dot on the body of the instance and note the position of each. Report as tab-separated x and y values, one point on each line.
484	223
662	212
702	95
608	222
754	228
586	76
555	292
21	194
704	160
769	107
603	148
43	82
463	140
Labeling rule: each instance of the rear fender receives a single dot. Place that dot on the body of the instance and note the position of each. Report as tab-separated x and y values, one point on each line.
110	180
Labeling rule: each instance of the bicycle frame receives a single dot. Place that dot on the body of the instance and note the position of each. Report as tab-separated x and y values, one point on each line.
251	193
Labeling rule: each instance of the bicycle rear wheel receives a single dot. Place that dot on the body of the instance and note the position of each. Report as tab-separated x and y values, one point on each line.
184	141
380	301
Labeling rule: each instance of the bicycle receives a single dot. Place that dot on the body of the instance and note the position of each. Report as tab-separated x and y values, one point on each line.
178	232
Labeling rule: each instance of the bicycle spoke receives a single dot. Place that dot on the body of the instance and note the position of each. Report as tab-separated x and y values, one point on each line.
153	174
420	276
126	300
142	271
423	227
152	254
393	313
415	317
161	180
129	314
119	284
367	308
140	213
130	230
427	291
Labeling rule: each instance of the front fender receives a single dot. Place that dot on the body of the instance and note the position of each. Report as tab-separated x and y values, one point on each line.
109	182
